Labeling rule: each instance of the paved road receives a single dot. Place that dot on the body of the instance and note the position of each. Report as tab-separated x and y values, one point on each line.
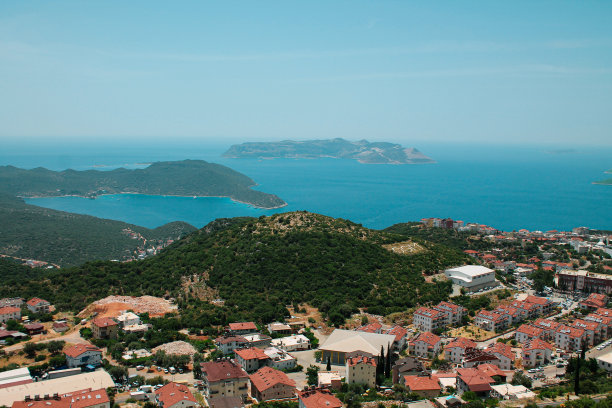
72	337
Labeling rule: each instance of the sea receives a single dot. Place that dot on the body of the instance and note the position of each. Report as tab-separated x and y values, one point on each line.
507	187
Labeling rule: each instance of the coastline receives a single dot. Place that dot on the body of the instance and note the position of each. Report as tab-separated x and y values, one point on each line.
157	195
602	183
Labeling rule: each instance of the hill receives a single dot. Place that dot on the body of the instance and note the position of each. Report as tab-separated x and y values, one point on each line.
65	239
257	266
362	151
182	178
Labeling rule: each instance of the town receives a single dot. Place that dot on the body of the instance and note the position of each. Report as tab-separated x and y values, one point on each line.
525	319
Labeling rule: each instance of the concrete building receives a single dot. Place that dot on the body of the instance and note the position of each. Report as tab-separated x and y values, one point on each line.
361	370
584	281
296	342
536	352
472	379
79	399
242	328
425	386
605	361
80	355
511	392
318	398
472	277
227	344
251	359
329	379
569	338
128	319
408	365
9	313
426	345
173	395
504	353
341	342
454	313
224	378
15	377
427	319
104	328
279	359
279	328
455	350
258	340
270	384
37	305
491	320
527	332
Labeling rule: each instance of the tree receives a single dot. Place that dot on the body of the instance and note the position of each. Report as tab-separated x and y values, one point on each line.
119	373
55	346
328	367
312	372
30	349
469	396
388	363
521	379
197	368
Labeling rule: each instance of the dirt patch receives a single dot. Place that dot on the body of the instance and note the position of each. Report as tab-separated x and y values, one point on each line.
472	332
404	248
113	306
176	347
306	314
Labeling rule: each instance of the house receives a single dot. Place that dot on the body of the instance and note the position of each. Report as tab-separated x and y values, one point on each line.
604	321
406	366
9	313
425	386
511	392
594	301
472	379
251	359
543	305
549	326
455	350
529	310
605	361
279	359
258	340
86	398
318	398
361	369
447	380
536	352
425	345
242	328
493	371
514	315
491	320
592	330
13	302
173	395
225	402
341	342
104	328
295	342
60	327
270	384
427	319
224	378
279	328
128	319
504	353
373	327
569	338
454	313
329	379
34	328
527	332
228	343
80	355
37	305
474	357
400	334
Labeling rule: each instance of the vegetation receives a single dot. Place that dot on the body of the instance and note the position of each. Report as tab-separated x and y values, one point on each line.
182	178
67	239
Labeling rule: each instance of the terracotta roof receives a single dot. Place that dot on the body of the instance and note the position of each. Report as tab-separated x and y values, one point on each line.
398	331
604	312
370	328
595	300
78	349
503	349
34	326
87	398
432	313
547	324
361	359
52	403
421	383
455	308
242	326
225	402
529	330
222	370
267	377
428	338
491	370
537	300
173	393
475	379
9	310
524	305
491	315
103	322
251	354
319	399
230	339
573	332
584	324
36	301
537	344
461	342
605	320
509	310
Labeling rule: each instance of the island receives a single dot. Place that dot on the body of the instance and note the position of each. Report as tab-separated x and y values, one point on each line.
190	178
362	151
607	182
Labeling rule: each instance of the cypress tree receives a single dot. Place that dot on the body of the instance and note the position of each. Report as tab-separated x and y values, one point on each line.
388	363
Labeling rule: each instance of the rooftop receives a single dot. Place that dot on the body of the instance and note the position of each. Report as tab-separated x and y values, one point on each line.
222	370
268	377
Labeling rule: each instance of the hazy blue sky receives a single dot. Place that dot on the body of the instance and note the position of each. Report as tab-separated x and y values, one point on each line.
494	71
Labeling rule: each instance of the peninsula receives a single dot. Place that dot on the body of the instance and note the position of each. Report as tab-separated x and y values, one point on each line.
362	151
606	182
178	178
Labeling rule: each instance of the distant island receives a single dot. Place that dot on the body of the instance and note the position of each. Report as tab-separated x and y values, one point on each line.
179	178
362	151
607	182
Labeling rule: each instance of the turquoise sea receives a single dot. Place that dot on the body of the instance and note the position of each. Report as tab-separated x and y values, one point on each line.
507	187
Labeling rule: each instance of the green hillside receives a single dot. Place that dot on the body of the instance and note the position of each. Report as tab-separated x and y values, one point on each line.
182	178
260	265
31	232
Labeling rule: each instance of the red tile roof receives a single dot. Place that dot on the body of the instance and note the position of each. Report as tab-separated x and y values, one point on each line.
428	338
455	308
586	325
78	349
461	342
475	379
103	322
421	383
36	301
529	330
398	331
573	332
503	349
432	313
252	353
319	399
87	398
361	360
222	370
603	312
595	300
267	377
173	393
491	315
370	328
230	339
537	344
547	324
9	310
243	326
491	370
537	300
52	403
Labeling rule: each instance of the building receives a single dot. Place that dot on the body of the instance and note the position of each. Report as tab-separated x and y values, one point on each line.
13	302
341	342
605	361
242	328
60	327
583	281
279	328
227	344
37	305
270	384
9	313
400	334
455	350
536	352
295	342
549	328
224	378
491	320
425	345
80	355
329	379
373	327
504	353
527	332
77	399
544	306
594	301
511	392
475	357
472	379
318	398
258	340
569	338
514	315
173	395
454	313
251	359
95	380
15	377
605	323
104	328
279	359
425	386
225	402
472	277
34	328
409	365
361	370
427	319
128	319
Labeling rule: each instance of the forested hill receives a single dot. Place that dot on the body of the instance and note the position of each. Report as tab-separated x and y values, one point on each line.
260	265
31	232
182	178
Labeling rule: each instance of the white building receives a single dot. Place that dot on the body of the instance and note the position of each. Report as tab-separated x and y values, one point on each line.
83	354
428	320
280	359
426	345
292	343
605	361
128	319
472	277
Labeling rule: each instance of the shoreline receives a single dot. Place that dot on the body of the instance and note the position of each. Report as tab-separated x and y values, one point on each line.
157	195
601	183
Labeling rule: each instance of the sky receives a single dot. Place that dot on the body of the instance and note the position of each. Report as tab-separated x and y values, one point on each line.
513	72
